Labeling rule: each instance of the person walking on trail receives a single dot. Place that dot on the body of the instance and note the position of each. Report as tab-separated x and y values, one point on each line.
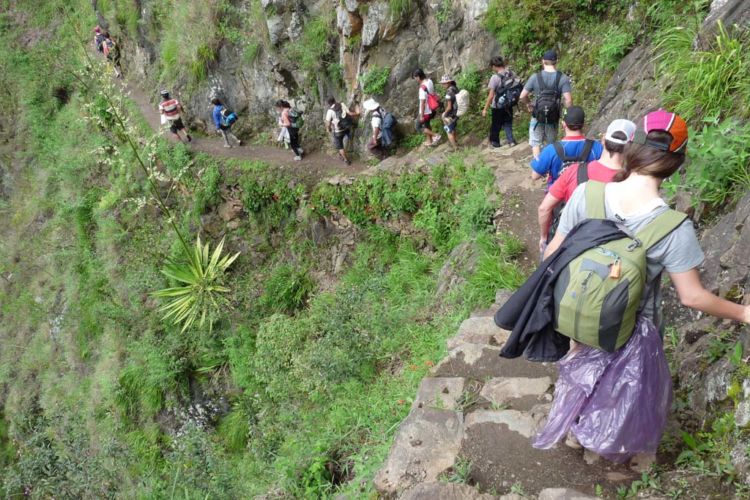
500	100
290	121
111	51
375	144
99	39
429	102
450	113
224	120
171	113
619	133
548	87
339	121
574	147
636	423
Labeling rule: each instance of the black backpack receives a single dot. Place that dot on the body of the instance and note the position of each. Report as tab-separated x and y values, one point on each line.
567	161
344	122
508	92
547	103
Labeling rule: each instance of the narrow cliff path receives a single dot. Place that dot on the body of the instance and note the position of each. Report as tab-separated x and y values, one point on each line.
316	165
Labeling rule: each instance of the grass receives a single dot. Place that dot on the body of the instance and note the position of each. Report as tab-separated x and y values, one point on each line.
375	81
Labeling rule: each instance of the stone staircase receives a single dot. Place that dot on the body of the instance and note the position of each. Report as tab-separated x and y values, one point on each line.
468	433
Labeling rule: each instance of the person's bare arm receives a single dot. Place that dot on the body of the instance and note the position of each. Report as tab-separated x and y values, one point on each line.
535	176
568	99
421	108
490	97
692	294
448	108
524	98
544	214
554	244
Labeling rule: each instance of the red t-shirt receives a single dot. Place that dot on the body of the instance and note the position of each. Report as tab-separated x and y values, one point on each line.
564	186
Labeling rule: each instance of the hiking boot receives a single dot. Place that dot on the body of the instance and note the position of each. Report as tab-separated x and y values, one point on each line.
239	142
436	140
189	138
298	158
227	145
495	145
572	442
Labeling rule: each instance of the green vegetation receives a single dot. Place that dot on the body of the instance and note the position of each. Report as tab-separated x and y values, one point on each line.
374	82
617	42
301	381
313	51
400	8
719	169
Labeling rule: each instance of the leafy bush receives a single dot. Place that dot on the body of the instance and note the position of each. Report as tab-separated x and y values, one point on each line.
617	41
375	80
280	339
470	79
312	51
705	84
719	164
286	289
400	8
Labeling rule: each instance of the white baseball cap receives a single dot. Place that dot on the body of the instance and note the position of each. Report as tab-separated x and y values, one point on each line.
371	105
620	125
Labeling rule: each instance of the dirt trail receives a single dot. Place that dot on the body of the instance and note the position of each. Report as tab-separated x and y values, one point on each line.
316	165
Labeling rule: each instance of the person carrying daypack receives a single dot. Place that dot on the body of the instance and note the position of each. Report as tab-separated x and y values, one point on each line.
450	115
171	112
224	118
429	105
376	145
573	148
614	390
504	91
549	87
98	39
339	121
291	120
111	51
619	133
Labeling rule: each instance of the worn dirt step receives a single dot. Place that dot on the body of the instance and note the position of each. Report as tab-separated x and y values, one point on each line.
482	362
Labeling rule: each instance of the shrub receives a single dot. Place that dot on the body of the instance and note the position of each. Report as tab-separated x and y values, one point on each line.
719	159
615	45
705	84
470	79
400	8
375	80
286	289
280	339
312	50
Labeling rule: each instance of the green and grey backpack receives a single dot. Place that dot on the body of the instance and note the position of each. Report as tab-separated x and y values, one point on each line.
597	296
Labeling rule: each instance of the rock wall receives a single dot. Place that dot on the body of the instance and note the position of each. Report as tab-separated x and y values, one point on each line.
365	34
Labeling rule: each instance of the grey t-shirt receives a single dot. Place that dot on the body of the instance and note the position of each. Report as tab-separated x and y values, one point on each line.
532	84
504	77
677	252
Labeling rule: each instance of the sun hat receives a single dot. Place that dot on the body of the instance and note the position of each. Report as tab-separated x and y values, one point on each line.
550	55
447	79
574	116
620	125
371	105
668	122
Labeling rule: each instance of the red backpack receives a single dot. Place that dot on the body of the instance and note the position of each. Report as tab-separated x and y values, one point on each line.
433	100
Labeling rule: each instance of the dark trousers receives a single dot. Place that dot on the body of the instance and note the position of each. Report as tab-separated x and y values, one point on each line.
501	119
294	140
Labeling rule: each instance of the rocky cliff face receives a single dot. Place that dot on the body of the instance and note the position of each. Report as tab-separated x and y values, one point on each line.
439	37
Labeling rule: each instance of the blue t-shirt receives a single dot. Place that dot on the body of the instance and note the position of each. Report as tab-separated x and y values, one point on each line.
217	115
550	164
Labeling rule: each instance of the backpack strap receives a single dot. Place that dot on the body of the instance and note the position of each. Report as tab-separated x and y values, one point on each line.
594	192
558	77
583	173
560	151
586	151
540	81
660	227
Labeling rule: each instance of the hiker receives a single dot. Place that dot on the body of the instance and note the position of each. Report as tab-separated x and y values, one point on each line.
339	122
633	200
547	86
574	147
450	115
111	51
382	124
224	119
290	120
171	112
504	91
98	39
600	284
619	133
429	103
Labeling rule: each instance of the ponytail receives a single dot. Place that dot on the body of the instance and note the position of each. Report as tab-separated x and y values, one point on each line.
645	160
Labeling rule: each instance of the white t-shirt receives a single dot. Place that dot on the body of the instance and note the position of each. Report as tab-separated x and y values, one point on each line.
332	118
377	122
426	83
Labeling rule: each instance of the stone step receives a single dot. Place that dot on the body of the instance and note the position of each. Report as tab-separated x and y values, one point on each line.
445	491
482	362
520	393
498	447
479	330
443	393
425	445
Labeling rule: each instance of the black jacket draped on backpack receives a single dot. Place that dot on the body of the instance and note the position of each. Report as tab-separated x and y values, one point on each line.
530	312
